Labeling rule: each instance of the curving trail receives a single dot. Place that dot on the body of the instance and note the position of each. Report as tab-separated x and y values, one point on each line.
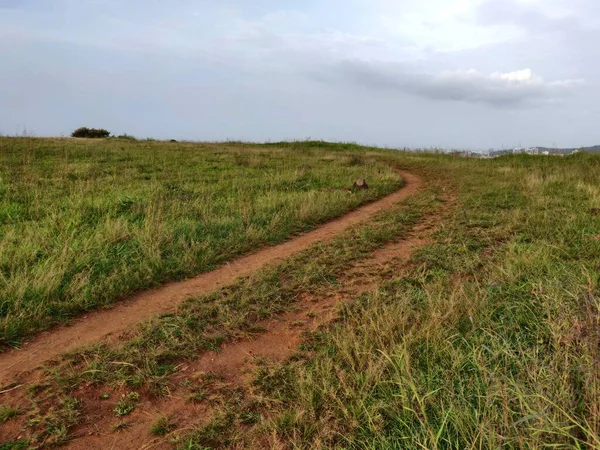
99	325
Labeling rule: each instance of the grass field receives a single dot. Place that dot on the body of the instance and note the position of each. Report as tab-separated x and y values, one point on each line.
488	337
490	340
84	223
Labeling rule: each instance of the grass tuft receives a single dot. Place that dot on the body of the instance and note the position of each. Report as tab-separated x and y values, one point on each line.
162	427
127	404
8	412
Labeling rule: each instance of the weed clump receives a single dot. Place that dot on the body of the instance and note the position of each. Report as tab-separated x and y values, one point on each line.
127	404
7	413
162	427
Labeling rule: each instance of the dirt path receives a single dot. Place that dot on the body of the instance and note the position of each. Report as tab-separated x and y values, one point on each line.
100	325
234	365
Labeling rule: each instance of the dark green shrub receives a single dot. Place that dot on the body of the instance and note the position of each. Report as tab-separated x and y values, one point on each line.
85	132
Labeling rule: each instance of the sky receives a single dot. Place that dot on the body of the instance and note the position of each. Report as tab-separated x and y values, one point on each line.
470	74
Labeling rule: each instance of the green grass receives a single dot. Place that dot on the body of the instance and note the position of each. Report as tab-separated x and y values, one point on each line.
14	445
162	427
488	338
51	426
127	404
7	413
86	222
491	341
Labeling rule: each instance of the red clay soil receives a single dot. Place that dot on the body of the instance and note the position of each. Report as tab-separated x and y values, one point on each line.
232	367
104	324
235	363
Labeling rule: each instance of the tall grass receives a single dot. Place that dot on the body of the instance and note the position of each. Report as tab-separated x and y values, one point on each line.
488	338
83	223
492	339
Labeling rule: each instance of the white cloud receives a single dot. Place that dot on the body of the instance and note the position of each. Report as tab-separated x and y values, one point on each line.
525	75
518	88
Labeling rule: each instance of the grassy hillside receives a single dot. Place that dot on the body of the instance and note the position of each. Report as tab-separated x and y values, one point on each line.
488	337
85	222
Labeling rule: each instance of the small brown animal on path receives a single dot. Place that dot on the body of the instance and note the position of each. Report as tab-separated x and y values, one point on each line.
360	184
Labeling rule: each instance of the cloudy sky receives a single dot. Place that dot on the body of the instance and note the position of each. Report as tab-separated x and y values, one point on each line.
430	73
